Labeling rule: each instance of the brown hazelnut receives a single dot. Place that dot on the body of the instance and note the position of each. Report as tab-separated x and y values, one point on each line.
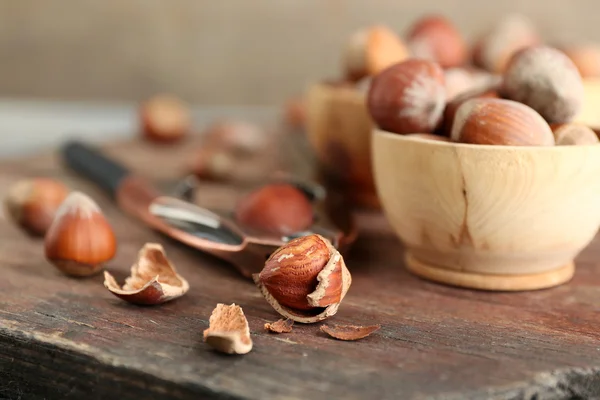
573	134
32	203
165	118
511	34
80	239
371	50
305	280
452	106
546	80
408	97
279	209
435	38
586	58
500	122
237	137
153	279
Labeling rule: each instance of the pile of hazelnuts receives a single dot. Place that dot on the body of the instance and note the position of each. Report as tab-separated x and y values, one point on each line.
509	88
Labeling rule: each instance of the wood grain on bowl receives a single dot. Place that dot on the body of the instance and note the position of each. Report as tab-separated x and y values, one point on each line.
489	210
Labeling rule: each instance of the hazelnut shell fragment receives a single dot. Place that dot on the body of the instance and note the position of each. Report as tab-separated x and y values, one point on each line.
228	330
349	332
305	280
280	326
153	279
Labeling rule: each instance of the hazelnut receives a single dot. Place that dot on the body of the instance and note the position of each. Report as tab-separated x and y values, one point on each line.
212	165
573	134
464	80
586	58
80	239
408	97
32	203
165	118
153	279
500	122
511	34
279	209
435	38
305	280
452	106
371	50
546	80
237	137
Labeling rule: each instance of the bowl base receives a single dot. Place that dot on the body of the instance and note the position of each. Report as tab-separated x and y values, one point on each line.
474	280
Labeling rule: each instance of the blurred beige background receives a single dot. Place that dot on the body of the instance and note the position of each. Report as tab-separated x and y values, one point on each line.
219	51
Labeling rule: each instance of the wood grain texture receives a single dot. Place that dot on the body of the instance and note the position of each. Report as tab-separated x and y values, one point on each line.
63	338
495	210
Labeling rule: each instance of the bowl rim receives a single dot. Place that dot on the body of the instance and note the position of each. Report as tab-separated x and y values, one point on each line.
485	147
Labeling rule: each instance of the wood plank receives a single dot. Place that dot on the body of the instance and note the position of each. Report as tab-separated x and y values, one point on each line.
67	338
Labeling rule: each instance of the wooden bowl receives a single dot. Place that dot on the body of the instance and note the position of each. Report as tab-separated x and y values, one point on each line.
590	112
489	217
339	130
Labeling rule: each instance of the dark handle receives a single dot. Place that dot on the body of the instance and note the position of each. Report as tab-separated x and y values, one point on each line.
94	165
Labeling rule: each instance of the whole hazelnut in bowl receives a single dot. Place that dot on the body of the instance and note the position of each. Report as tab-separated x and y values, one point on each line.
500	206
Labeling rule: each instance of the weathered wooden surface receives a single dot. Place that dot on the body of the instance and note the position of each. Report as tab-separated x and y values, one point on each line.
63	338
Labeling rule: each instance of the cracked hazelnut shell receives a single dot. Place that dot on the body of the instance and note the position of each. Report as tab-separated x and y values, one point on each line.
153	279
305	280
228	330
79	240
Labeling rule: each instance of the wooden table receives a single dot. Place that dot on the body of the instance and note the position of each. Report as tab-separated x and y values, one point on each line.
63	338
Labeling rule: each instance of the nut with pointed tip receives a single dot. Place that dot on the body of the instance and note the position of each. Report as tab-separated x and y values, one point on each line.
153	279
435	38
546	80
80	240
371	50
165	118
500	122
228	330
408	97
511	34
279	209
573	134
305	280
32	203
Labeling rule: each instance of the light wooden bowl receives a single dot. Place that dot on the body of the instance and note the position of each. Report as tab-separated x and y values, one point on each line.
339	130
489	217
